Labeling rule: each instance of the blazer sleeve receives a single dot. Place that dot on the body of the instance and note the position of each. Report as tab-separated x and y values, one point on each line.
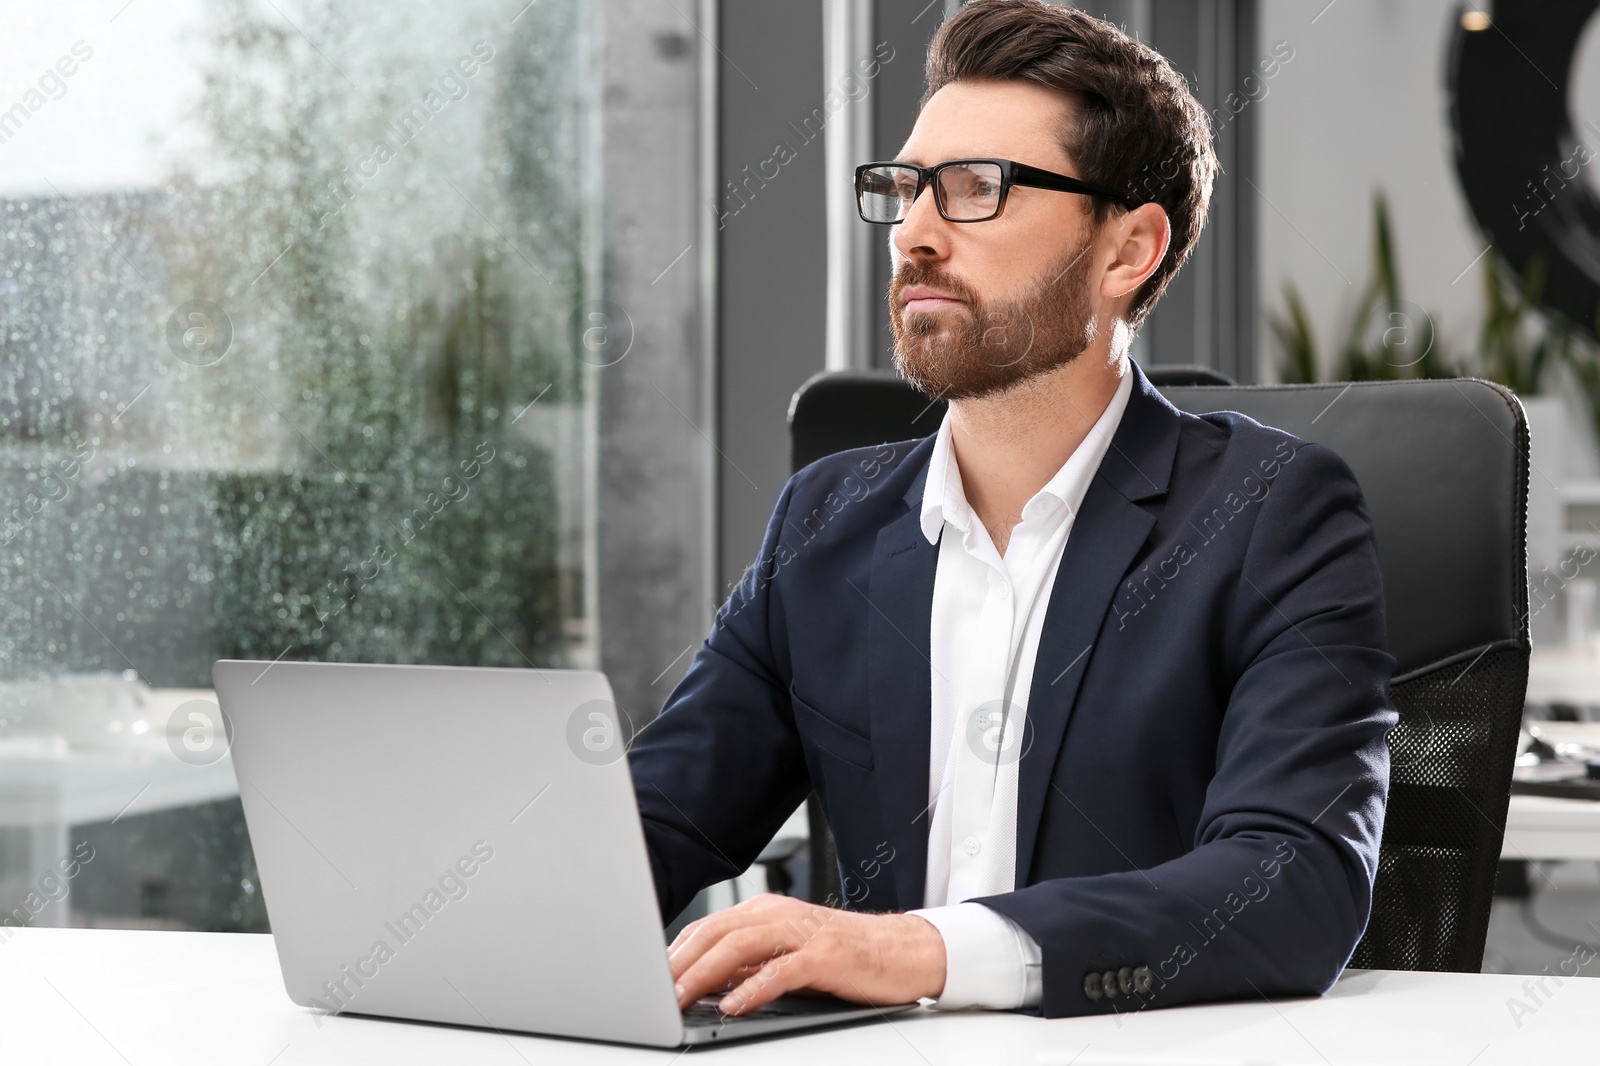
721	768
1276	891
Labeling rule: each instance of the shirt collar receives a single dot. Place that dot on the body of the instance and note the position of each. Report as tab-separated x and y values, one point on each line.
944	501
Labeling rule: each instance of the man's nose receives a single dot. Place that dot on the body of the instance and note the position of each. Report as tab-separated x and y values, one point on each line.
922	233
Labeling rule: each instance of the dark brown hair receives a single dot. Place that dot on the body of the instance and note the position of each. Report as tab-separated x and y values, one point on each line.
1135	127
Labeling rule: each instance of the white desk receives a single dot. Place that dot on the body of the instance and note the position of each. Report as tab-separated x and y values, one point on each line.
1563	675
1543	827
86	996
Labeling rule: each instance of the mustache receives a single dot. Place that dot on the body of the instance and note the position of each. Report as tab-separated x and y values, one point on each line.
943	283
915	275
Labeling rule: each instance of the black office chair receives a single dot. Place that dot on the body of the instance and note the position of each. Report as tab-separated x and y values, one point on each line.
1443	466
835	410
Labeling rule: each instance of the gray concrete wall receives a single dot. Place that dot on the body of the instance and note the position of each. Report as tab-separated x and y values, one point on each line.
655	425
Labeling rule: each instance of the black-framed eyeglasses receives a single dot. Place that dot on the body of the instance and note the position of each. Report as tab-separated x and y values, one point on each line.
964	190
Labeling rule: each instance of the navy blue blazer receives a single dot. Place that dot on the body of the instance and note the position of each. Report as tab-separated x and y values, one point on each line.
1202	787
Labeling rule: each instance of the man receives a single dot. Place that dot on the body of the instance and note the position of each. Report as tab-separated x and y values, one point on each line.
1094	692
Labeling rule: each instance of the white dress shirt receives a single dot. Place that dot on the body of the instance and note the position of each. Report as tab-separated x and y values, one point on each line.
988	611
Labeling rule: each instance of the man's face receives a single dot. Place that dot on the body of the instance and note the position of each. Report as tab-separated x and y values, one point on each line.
1020	283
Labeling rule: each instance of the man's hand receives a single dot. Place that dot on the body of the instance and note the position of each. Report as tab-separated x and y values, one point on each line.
769	945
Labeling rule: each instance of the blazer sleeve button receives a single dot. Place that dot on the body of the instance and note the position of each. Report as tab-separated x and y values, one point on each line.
1108	981
1143	980
1091	986
1125	980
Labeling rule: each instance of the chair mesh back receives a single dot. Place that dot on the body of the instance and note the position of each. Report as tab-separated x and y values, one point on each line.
1443	466
1442	831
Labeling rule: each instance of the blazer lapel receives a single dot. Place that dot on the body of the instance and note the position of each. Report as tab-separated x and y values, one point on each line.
899	614
1106	536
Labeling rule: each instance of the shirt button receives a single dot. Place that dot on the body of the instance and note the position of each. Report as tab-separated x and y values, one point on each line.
972	845
1005	592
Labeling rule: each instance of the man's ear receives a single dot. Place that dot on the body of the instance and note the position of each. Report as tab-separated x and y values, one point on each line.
1141	237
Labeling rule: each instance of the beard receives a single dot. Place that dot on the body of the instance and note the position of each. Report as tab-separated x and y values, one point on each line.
980	347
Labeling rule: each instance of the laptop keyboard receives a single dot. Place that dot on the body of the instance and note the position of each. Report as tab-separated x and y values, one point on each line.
705	1012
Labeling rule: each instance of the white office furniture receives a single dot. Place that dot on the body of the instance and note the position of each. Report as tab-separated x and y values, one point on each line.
1563	675
1543	827
49	783
89	996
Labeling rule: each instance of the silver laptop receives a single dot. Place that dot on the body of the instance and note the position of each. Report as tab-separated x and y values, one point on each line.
462	845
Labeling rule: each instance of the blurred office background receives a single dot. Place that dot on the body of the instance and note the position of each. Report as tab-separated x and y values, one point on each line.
464	333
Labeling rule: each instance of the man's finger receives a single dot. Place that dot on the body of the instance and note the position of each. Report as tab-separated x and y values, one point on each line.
719	922
717	966
700	927
701	935
765	901
693	948
780	975
689	934
740	947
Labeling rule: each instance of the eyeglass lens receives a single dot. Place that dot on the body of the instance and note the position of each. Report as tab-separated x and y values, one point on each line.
969	191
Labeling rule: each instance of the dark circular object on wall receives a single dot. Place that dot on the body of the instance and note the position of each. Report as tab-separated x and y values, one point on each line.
1521	164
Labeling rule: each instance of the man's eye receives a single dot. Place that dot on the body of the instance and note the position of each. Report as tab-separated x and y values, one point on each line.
967	184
